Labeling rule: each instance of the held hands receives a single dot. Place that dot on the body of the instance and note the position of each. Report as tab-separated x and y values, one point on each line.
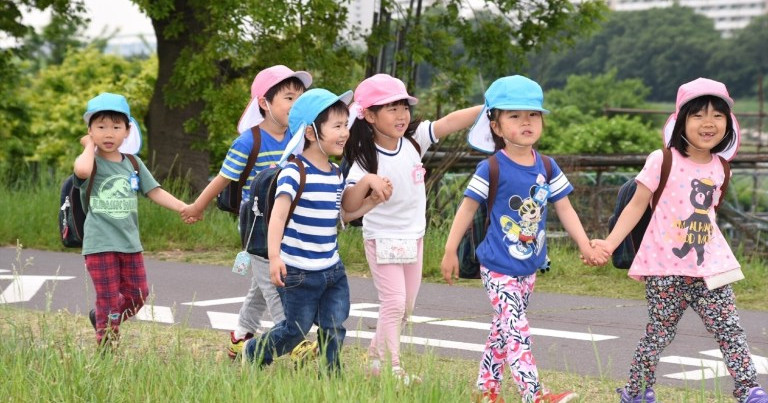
191	213
598	253
381	189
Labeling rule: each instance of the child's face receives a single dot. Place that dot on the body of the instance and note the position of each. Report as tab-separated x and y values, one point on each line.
705	129
334	133
391	120
521	128
281	104
107	134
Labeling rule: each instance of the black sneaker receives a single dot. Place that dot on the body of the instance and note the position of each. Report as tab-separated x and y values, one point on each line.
92	317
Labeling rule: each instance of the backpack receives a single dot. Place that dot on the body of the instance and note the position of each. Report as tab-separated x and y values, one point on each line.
229	199
346	166
625	253
255	219
469	266
72	212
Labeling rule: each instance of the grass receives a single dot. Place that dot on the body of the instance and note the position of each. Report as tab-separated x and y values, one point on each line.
51	356
30	220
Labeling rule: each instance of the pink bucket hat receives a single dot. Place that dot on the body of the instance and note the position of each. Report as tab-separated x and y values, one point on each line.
697	88
379	89
263	81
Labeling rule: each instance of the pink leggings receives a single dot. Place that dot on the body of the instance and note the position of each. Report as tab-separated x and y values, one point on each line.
397	286
509	341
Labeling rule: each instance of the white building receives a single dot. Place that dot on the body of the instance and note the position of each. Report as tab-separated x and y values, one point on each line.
728	15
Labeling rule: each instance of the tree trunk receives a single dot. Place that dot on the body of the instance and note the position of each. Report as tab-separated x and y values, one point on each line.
170	147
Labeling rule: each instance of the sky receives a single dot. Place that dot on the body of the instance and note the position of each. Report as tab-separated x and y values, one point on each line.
106	15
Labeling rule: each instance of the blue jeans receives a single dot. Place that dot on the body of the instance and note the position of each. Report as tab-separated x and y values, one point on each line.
309	297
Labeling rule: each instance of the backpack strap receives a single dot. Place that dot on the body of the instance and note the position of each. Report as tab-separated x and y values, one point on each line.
415	143
256	132
724	186
493	186
666	167
300	190
89	188
547	161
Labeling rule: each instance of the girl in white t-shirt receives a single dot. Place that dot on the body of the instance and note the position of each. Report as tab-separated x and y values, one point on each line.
684	258
385	150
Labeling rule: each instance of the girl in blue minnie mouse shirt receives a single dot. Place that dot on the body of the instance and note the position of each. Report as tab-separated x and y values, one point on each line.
515	243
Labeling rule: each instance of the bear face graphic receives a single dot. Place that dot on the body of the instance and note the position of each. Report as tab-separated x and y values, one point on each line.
698	224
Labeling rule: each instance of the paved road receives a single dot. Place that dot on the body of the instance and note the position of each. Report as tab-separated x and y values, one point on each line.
588	335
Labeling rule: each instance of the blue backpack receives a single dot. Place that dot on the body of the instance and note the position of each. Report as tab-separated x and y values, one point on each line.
625	253
469	265
254	216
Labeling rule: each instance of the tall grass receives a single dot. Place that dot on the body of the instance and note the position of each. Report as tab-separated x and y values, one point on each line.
52	356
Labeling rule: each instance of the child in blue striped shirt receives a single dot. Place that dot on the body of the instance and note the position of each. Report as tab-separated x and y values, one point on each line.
304	261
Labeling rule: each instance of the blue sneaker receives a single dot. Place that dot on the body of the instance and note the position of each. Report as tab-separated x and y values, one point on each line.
757	395
647	397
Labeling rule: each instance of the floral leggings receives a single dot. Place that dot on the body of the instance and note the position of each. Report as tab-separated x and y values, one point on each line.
668	297
509	341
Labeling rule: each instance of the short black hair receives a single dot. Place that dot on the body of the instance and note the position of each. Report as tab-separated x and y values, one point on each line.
114	116
293	83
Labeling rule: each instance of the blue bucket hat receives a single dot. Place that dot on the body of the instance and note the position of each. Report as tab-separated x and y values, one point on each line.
304	112
512	93
113	102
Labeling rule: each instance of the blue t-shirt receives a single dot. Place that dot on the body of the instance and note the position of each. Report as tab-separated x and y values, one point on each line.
309	241
516	243
237	157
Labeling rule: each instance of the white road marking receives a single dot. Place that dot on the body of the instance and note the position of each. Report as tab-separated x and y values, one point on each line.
155	313
23	287
708	369
212	302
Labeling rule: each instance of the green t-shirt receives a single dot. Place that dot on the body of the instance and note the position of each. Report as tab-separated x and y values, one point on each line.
112	220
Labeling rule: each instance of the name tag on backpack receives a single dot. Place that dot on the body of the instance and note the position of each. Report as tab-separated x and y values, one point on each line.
396	251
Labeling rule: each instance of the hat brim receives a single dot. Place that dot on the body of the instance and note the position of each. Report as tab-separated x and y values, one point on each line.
251	116
296	144
394	98
729	153
132	144
480	137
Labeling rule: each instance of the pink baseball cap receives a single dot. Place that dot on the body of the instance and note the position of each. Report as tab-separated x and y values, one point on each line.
697	88
379	89
263	81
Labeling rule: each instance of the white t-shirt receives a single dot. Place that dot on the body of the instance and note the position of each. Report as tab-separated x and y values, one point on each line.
403	216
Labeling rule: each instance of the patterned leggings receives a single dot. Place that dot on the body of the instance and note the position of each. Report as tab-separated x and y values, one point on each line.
510	338
668	297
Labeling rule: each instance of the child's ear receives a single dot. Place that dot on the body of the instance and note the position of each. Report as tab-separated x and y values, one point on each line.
309	134
263	103
369	116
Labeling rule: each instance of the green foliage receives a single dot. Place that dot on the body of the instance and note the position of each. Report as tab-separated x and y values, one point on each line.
56	97
663	47
578	124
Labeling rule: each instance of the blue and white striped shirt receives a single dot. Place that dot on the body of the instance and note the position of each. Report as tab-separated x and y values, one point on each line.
309	241
237	157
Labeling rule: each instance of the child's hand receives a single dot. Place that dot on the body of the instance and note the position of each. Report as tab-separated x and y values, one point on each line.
277	271
596	255
450	267
191	213
86	141
382	188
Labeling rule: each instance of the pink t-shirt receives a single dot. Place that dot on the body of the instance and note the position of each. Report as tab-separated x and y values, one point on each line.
682	238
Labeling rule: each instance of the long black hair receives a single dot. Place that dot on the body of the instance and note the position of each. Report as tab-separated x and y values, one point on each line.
361	148
679	141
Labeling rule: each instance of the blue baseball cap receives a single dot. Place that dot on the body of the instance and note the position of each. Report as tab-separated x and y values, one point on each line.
304	112
512	93
113	102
